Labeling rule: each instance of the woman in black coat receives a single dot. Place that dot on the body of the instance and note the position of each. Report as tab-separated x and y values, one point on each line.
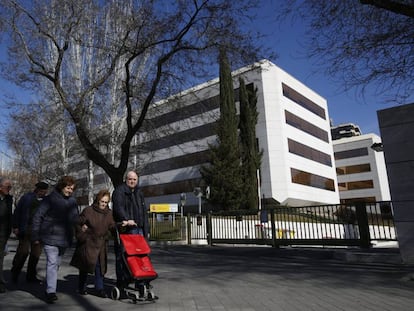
52	226
91	251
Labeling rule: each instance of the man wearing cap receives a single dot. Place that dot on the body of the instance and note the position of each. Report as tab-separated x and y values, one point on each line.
22	223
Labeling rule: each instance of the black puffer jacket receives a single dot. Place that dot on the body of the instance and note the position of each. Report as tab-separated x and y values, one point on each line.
54	220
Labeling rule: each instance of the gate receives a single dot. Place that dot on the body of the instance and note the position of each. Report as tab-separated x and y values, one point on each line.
167	227
360	225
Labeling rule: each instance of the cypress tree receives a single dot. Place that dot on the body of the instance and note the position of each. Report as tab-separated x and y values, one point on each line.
251	157
224	175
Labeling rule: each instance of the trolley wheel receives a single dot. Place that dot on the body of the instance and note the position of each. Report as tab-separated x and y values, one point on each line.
115	293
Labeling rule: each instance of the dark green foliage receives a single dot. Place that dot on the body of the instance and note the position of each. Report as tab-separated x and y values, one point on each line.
250	156
224	174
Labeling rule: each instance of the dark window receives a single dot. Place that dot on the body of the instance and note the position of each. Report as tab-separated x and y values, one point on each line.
309	153
353	169
303	101
312	180
353	153
356	185
356	200
184	112
187	185
306	127
173	163
179	138
187	111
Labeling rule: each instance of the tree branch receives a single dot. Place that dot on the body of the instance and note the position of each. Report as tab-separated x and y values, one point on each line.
393	6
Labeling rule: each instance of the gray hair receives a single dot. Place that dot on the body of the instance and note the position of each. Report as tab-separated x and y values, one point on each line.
3	180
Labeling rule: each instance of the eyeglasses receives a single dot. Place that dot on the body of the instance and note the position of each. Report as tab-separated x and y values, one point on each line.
105	202
7	186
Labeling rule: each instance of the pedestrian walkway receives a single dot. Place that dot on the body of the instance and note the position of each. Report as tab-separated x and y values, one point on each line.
241	278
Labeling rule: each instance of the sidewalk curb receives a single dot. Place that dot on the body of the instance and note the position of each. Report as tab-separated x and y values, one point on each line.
368	257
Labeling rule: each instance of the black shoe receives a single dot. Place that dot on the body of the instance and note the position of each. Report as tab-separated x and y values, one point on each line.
101	293
83	292
2	289
51	297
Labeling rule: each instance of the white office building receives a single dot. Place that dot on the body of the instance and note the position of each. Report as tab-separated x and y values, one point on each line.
293	130
361	170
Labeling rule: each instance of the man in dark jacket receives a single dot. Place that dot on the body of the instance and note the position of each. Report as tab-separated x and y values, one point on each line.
22	228
130	210
6	206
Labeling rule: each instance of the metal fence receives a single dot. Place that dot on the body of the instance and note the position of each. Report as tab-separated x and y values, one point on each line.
353	225
167	227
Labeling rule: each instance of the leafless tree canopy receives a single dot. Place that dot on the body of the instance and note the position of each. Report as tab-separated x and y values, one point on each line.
106	62
361	42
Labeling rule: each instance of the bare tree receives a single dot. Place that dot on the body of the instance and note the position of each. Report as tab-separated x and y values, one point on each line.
91	55
361	43
32	133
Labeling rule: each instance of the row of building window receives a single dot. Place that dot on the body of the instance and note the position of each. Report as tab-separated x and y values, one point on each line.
306	127
304	102
312	180
174	187
353	169
309	152
179	138
184	112
355	200
187	111
187	160
353	153
355	185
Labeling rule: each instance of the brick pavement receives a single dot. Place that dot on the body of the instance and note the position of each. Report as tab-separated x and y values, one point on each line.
243	278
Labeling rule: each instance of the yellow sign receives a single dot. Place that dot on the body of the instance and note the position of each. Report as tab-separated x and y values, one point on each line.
164	208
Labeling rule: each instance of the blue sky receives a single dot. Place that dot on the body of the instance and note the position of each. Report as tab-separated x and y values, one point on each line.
286	41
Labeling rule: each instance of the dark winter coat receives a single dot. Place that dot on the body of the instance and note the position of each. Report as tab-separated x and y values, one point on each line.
6	217
54	220
93	242
22	212
124	207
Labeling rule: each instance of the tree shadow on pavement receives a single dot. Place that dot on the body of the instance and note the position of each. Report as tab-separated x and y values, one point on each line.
67	286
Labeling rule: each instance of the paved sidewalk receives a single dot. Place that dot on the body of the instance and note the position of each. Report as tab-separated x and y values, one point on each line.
242	278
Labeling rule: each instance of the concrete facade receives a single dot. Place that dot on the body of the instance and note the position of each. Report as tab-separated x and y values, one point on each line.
397	128
362	174
293	131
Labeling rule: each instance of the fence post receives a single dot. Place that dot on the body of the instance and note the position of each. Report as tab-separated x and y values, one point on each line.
273	226
189	229
209	224
362	219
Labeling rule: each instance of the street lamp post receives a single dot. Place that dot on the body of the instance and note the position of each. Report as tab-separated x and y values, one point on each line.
198	193
183	199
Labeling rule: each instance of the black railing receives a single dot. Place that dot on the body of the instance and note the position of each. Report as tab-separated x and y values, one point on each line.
352	225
